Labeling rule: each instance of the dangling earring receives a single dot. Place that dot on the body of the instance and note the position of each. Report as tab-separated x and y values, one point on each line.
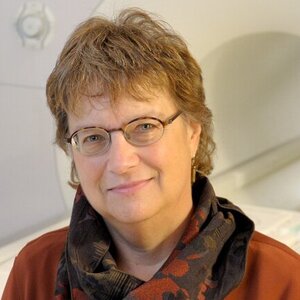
194	171
74	180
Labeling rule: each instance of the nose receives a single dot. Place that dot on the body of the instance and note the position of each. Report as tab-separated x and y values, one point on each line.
122	156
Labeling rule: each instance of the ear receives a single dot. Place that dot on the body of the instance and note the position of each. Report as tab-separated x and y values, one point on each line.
194	132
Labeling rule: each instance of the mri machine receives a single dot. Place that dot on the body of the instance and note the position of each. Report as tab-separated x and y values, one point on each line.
250	55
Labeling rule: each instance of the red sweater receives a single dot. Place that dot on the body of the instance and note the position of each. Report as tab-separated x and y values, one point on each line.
272	271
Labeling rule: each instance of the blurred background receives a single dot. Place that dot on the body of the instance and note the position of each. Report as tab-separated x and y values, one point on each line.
249	52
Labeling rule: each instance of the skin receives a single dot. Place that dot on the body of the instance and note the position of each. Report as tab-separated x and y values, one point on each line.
142	193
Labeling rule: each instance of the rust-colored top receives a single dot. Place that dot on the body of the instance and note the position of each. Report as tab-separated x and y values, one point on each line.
272	272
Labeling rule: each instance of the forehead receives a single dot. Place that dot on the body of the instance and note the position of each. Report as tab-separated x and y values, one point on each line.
102	111
159	100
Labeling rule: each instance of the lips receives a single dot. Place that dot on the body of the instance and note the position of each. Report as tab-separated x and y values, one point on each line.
129	187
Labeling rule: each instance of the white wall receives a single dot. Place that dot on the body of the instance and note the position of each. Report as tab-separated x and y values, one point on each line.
253	87
30	192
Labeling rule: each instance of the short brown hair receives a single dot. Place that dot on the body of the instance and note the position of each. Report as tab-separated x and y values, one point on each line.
133	53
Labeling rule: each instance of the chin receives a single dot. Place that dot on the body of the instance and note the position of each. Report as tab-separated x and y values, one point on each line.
133	212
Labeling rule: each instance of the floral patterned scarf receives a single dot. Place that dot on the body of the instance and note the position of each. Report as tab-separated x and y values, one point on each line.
207	263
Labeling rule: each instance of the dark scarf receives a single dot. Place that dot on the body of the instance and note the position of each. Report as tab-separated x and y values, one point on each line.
207	263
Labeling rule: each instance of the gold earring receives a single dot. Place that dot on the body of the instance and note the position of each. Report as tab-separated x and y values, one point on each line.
74	180
194	171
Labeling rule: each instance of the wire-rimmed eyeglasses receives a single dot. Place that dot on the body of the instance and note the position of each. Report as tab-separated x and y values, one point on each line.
138	132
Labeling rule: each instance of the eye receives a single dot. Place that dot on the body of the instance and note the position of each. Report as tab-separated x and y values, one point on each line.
143	131
145	127
94	138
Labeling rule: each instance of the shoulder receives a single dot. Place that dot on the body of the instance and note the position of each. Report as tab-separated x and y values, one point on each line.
42	252
272	271
38	260
47	244
267	249
273	260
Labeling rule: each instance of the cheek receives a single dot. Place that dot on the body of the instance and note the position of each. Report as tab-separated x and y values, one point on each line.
88	169
170	157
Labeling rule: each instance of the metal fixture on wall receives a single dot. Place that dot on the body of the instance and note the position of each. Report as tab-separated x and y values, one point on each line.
34	24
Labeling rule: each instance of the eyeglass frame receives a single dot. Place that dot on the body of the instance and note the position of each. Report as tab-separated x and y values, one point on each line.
165	123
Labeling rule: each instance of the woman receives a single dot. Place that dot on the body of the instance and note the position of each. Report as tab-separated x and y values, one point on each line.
130	109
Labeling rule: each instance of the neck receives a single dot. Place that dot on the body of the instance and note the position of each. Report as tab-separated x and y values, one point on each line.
141	249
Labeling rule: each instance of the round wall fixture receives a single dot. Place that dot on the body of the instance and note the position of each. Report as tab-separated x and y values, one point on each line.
34	24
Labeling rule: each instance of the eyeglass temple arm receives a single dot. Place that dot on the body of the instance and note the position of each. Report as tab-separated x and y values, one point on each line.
172	119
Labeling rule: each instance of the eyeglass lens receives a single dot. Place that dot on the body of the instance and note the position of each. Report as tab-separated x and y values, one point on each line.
140	132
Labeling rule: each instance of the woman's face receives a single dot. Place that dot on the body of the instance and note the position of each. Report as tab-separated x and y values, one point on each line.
130	184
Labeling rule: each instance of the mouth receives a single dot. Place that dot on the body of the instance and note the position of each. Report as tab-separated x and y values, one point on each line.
129	187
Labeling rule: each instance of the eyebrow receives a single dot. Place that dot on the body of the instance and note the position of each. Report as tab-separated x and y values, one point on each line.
155	115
